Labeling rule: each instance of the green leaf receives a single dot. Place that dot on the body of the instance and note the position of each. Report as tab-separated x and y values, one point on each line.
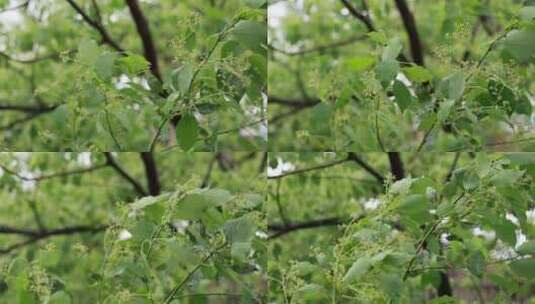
240	230
361	63
194	205
358	269
304	268
416	207
476	264
469	180
60	297
505	231
393	285
418	74
527	248
386	71
524	268
452	87
520	44
187	131
521	158
104	65
527	13
445	110
182	78
393	49
133	64
88	52
251	34
403	95
506	178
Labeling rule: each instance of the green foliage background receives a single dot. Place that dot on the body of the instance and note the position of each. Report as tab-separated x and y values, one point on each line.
340	85
206	245
63	87
468	217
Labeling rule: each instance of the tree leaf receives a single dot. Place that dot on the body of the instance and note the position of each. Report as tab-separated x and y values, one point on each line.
187	131
452	86
524	268
418	74
182	78
527	248
358	269
520	44
251	34
133	64
386	71
193	206
88	52
403	95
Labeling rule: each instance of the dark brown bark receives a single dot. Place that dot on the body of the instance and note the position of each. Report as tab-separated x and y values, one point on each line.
396	165
143	29
151	171
412	32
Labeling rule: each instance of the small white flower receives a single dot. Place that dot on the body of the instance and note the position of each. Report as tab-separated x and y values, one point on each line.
124	235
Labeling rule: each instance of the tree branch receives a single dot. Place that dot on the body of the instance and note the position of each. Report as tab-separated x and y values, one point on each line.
283	229
106	38
29	61
36	235
359	15
320	48
304	170
151	172
410	26
111	161
28	109
378	176
294	103
146	37
396	165
52	175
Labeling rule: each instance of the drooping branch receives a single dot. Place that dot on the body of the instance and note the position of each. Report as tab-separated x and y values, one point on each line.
294	103
304	170
378	176
106	38
320	48
283	229
144	32
396	165
39	109
16	7
412	31
359	15
53	175
37	235
137	186
32	60
151	172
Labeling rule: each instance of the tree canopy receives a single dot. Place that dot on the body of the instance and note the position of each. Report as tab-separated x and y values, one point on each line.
401	75
131	228
447	228
114	75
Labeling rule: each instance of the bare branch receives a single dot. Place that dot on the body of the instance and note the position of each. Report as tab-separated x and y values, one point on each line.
53	175
111	161
359	15
106	38
144	32
151	172
304	170
412	32
321	48
378	176
283	229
